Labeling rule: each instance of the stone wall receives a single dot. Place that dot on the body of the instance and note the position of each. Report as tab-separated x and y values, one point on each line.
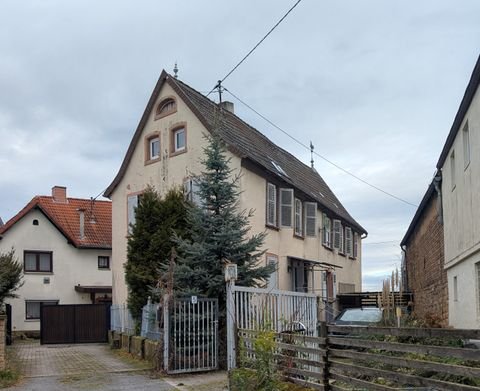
3	323
424	261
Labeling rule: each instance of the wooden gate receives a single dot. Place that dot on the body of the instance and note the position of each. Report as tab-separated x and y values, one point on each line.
191	335
74	323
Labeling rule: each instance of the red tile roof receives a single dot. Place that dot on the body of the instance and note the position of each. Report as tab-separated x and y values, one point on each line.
65	217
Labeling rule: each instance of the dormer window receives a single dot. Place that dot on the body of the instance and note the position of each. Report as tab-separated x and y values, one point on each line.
166	107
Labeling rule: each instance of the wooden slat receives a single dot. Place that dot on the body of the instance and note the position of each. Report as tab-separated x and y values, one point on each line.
302	372
462	353
409	363
406	332
360	383
304	349
401	378
297	360
305	383
295	337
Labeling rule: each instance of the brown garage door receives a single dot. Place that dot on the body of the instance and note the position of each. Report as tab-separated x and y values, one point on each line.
74	323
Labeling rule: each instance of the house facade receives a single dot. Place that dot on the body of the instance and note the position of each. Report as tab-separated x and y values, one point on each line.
64	245
459	164
424	260
311	238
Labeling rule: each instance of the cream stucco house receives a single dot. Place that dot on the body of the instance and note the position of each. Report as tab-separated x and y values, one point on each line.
459	164
64	245
312	239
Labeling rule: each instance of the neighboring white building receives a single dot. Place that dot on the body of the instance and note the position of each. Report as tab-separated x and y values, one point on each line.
460	168
312	239
64	245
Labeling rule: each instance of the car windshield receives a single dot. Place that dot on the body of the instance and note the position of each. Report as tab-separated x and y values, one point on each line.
359	315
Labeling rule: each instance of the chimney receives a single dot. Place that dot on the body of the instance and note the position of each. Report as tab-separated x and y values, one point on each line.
228	106
81	213
59	194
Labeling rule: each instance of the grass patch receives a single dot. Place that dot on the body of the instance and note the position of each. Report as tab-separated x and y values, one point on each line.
8	378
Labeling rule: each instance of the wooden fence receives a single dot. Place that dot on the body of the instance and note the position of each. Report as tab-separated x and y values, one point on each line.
375	358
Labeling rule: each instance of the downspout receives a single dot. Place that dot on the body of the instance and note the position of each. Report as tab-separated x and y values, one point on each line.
437	182
404	268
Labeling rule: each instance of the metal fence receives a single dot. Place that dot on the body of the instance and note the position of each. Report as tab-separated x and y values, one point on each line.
150	324
121	320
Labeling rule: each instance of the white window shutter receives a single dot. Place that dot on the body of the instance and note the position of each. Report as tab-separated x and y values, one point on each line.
311	218
355	245
273	279
327	231
271	204
336	234
298	217
348	241
342	240
195	197
286	207
187	189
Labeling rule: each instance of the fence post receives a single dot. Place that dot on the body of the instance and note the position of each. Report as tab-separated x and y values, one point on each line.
166	337
323	333
230	277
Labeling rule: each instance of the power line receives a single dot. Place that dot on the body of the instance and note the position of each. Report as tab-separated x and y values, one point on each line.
256	46
386	242
317	154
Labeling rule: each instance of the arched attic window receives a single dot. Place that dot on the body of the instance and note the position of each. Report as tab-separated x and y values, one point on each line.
165	107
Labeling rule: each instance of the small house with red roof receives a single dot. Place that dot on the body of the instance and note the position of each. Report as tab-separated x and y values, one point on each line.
65	246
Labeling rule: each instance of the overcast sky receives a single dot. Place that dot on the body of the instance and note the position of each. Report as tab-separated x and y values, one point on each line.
374	85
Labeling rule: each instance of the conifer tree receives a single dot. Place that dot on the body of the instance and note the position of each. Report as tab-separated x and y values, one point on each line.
150	243
218	231
11	273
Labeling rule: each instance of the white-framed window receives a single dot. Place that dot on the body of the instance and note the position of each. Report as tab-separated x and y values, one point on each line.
311	218
132	204
32	308
327	231
338	236
452	169
191	191
348	241
286	207
179	139
103	262
298	217
271	204
154	148
466	145
355	245
272	260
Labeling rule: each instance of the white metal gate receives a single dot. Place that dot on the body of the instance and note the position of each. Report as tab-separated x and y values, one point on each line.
192	335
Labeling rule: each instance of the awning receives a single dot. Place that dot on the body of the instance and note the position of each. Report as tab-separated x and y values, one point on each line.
320	264
93	289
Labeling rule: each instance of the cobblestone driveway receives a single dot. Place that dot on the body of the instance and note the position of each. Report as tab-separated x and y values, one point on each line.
79	367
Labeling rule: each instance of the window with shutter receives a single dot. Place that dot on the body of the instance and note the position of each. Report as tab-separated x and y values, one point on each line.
271	204
342	240
355	245
311	218
336	234
272	260
327	231
348	241
298	217
286	207
132	204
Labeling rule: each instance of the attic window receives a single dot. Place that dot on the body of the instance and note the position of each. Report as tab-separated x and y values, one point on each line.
35	222
336	206
166	107
279	169
321	194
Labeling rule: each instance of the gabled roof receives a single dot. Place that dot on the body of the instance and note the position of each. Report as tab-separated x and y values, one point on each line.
248	143
462	111
65	217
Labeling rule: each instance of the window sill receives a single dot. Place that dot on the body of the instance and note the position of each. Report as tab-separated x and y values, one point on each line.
272	227
32	320
296	236
341	254
327	247
176	153
352	258
104	268
151	161
39	273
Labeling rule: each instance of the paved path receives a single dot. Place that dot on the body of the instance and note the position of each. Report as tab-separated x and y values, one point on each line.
80	367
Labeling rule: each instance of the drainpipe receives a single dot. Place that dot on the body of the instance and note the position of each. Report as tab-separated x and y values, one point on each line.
437	182
81	213
404	268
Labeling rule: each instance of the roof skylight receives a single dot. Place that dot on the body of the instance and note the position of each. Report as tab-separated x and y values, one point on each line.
279	168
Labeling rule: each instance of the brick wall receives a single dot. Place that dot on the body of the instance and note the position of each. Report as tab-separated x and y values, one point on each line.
427	278
3	321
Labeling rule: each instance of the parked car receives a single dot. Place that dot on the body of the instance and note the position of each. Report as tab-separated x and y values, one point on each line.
358	317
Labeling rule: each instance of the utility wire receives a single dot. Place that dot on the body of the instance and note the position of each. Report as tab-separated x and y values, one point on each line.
317	154
256	46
